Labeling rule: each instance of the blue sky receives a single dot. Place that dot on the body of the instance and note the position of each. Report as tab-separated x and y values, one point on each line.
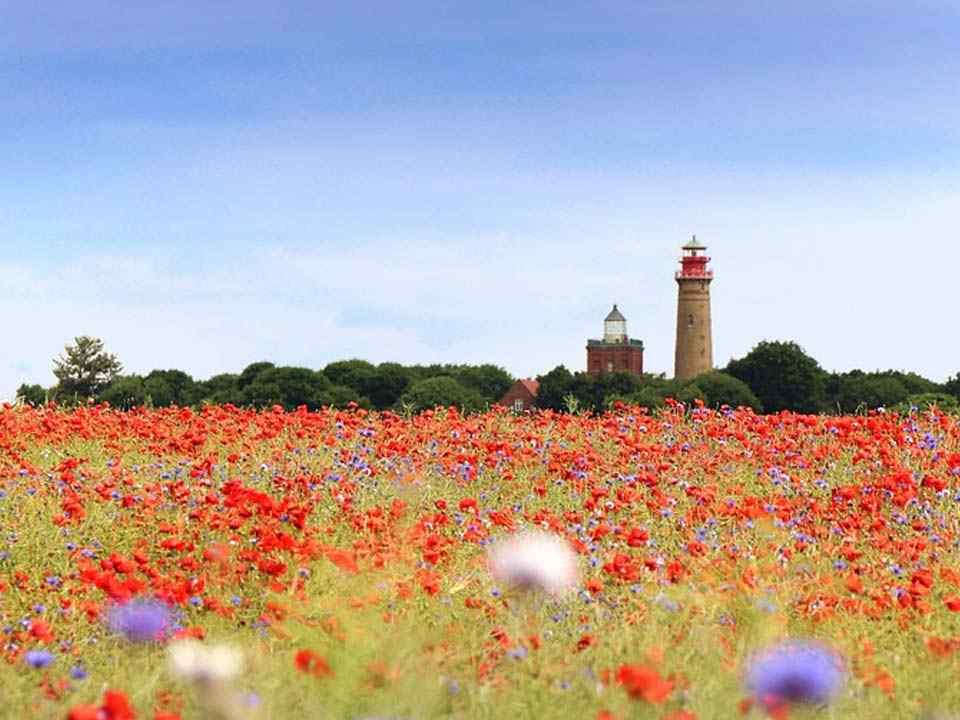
204	185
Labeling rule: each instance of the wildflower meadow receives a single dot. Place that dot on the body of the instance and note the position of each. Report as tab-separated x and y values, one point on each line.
686	565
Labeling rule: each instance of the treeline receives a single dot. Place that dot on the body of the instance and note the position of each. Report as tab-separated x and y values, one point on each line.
263	384
774	376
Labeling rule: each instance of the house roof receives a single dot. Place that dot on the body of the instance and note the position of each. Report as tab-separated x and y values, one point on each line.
531	385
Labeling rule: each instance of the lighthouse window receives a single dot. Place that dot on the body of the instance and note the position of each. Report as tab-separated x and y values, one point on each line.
690	320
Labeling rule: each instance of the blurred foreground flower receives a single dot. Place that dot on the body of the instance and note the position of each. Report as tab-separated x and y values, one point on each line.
115	706
644	683
210	669
309	662
534	561
38	658
140	620
795	672
193	661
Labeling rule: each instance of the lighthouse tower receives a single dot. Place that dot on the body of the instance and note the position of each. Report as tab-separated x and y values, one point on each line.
694	350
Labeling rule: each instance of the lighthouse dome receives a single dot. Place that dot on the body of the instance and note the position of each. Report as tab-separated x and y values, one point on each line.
615	327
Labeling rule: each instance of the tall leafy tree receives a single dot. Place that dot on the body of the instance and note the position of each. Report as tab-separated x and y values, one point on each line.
952	386
32	395
387	385
441	391
718	388
84	368
869	391
356	374
171	387
490	381
554	388
287	386
914	383
220	390
251	371
339	396
125	392
782	376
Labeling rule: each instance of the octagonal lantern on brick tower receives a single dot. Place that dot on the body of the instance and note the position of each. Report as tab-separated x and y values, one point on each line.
617	351
614	326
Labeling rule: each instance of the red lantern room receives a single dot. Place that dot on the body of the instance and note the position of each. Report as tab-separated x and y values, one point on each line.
693	264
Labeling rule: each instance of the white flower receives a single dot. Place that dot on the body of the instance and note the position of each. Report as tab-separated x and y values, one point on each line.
534	561
193	661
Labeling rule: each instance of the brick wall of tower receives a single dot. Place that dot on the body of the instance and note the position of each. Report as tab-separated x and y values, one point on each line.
614	358
694	348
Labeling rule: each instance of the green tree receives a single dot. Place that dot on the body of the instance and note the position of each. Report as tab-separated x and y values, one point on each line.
689	392
356	374
261	393
340	396
286	386
300	386
84	369
857	389
170	387
952	386
220	390
609	387
125	392
32	395
782	376
554	387
718	388
387	385
914	383
441	391
251	371
649	396
924	401
490	381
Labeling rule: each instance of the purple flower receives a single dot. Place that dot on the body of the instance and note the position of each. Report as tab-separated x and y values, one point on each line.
38	658
140	620
795	671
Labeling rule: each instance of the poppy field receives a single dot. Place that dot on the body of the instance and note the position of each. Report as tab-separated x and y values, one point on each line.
687	565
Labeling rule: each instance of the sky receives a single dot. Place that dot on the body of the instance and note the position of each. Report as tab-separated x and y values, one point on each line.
208	184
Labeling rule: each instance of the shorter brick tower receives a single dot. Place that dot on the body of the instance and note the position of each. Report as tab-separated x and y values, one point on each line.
616	352
694	350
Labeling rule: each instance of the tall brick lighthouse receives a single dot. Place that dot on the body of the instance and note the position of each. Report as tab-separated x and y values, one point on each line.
694	350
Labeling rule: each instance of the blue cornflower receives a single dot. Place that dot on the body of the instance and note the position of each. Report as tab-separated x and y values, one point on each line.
141	620
38	658
78	673
796	671
518	653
